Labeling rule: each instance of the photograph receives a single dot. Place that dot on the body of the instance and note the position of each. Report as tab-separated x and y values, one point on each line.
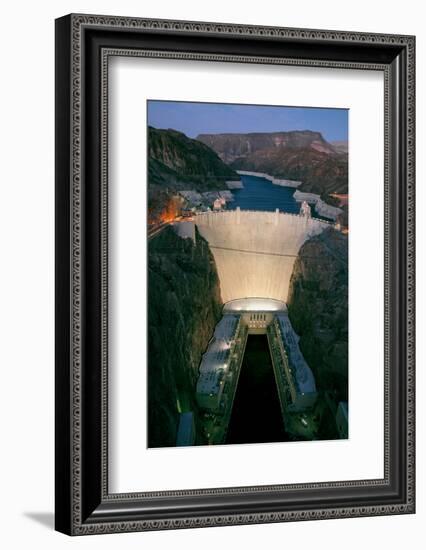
247	298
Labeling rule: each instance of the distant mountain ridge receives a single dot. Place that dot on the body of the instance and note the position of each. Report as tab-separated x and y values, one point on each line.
302	155
231	146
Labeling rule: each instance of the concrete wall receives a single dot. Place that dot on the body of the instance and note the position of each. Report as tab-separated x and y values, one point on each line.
321	207
255	251
185	230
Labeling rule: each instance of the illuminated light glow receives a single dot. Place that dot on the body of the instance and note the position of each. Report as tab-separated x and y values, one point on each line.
171	210
254	304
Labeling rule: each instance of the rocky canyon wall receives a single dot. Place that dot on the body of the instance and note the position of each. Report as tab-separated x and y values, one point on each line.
318	310
184	307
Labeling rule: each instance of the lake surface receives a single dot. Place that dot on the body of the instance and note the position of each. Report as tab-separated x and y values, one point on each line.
261	194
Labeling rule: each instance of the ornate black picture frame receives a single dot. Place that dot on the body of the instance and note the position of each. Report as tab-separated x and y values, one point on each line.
83	45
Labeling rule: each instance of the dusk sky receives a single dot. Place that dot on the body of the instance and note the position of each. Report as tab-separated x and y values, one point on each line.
214	118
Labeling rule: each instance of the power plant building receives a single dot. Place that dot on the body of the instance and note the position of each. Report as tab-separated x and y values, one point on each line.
299	377
219	368
216	364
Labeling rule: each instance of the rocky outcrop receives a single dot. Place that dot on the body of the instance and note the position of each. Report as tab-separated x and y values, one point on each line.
299	156
177	162
184	307
318	310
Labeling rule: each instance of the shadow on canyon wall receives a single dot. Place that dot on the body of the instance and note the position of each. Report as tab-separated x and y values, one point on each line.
318	310
184	307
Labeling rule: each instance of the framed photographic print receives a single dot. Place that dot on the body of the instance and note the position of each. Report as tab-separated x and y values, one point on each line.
234	274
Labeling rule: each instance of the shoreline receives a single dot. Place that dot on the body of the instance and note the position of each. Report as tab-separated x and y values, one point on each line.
321	207
272	179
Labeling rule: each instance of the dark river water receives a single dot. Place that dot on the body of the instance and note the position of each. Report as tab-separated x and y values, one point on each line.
256	414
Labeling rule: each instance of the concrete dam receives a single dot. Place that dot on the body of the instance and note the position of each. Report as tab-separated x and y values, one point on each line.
255	251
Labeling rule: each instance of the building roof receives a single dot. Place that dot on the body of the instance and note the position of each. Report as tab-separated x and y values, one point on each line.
225	329
216	357
209	382
215	361
302	373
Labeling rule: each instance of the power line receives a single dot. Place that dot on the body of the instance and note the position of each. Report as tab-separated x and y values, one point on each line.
279	254
262	253
254	251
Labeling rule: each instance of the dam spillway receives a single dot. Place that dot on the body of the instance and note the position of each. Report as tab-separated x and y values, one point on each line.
255	251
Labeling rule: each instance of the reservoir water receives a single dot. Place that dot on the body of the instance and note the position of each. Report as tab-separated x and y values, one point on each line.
260	194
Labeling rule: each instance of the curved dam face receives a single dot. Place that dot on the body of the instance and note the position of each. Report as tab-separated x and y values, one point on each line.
255	251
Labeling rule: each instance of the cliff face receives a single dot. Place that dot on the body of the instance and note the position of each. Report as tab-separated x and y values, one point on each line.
300	155
319	173
176	162
184	307
318	309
